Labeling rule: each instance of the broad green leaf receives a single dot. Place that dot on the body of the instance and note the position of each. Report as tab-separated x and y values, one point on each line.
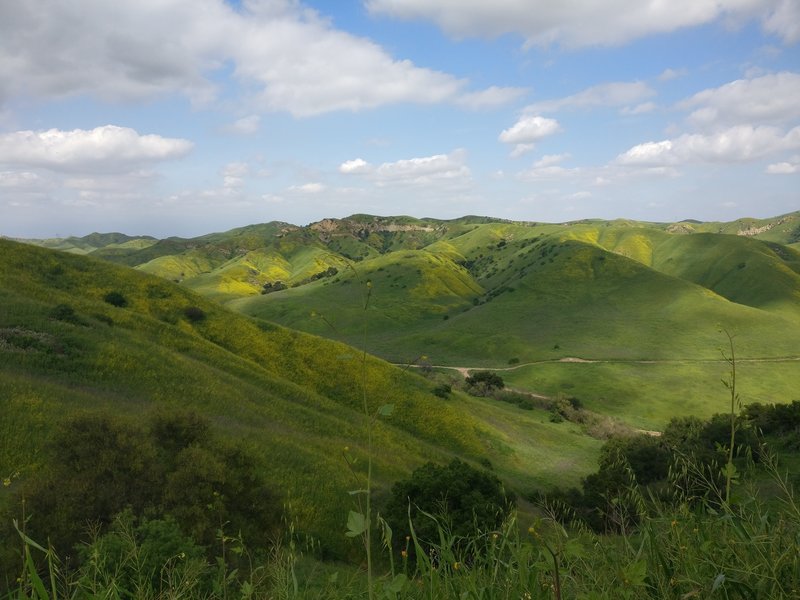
356	524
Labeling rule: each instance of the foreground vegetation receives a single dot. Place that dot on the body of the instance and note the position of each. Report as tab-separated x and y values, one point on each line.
699	539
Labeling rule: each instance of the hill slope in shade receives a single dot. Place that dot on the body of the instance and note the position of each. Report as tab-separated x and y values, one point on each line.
295	398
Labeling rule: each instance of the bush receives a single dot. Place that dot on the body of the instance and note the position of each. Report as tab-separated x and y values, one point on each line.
64	312
97	466
467	499
194	314
115	299
482	383
443	390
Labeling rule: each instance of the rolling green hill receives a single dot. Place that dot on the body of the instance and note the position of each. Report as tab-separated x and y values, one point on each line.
79	335
480	292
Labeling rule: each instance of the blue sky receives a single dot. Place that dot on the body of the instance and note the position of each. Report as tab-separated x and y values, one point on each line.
183	117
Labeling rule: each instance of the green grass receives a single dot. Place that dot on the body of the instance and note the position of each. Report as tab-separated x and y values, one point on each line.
294	397
647	396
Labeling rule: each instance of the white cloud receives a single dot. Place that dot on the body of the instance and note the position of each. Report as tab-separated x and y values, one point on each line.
605	94
285	56
549	167
576	23
424	170
244	126
769	99
521	149
103	149
357	165
308	188
19	180
491	97
784	21
528	130
233	174
785	168
742	143
549	160
639	109
670	74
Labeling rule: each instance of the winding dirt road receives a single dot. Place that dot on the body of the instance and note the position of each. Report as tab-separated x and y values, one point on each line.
574	359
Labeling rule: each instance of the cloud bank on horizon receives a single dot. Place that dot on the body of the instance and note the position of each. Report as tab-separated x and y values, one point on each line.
181	117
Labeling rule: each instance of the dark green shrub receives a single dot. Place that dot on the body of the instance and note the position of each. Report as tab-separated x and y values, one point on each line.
64	312
467	499
115	298
138	554
194	314
97	466
481	383
443	390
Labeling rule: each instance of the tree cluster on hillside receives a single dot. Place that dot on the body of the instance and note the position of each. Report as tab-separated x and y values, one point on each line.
464	500
175	471
646	460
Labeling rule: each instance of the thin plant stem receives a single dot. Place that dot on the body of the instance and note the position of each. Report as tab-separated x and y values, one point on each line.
731	385
368	515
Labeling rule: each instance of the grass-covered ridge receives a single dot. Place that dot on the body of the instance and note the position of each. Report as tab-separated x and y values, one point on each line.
480	292
79	335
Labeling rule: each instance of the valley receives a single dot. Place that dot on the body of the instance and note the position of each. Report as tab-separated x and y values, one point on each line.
292	342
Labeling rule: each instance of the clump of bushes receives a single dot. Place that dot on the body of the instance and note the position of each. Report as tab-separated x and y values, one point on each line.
483	383
115	298
194	313
174	470
64	312
470	500
443	390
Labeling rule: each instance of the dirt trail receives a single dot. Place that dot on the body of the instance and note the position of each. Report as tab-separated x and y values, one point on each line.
624	361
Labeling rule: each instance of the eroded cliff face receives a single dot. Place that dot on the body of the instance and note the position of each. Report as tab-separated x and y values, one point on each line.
328	228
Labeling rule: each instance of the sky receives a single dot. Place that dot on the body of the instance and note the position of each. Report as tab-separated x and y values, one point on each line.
185	117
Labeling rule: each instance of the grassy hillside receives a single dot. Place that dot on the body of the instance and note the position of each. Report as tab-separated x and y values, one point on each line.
498	292
480	292
80	335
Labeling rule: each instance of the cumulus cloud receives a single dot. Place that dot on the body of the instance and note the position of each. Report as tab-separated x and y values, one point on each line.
527	131
578	23
767	99
285	56
490	97
233	174
103	149
606	94
357	165
20	180
785	168
521	149
424	170
313	187
784	21
549	167
244	126
670	74
742	143
639	109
